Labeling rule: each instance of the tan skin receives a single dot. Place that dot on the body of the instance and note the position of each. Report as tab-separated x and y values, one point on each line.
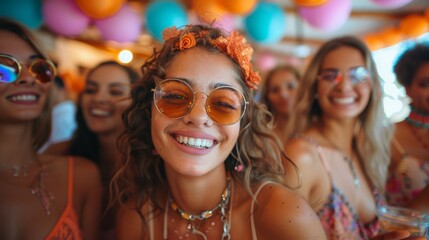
406	134
21	213
336	128
281	95
197	181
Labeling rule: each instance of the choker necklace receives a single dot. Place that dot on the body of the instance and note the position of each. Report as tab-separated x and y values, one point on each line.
346	158
226	198
17	170
418	118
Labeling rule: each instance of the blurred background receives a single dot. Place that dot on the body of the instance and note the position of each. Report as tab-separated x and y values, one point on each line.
81	33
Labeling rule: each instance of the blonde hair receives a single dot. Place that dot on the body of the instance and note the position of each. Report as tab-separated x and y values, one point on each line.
373	140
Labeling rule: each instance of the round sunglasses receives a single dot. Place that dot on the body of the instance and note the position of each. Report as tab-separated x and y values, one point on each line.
41	69
334	76
175	98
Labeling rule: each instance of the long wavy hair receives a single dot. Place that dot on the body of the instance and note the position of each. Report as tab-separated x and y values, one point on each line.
141	174
373	131
85	142
42	124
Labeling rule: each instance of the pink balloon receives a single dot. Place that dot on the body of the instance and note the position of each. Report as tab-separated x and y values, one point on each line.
266	61
226	22
124	26
64	17
391	3
328	16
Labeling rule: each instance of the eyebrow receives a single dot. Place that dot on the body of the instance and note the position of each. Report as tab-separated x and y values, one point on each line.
191	83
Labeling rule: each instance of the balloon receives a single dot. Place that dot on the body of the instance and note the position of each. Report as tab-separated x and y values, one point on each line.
124	26
329	16
373	42
309	3
227	23
266	24
27	12
239	7
391	3
64	17
100	8
391	36
266	61
414	25
208	10
164	14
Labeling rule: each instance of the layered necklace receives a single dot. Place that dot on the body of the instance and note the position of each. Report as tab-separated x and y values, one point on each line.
347	159
192	226
418	118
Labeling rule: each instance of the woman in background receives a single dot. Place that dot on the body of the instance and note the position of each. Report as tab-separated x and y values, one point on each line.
342	137
409	168
99	117
42	197
278	94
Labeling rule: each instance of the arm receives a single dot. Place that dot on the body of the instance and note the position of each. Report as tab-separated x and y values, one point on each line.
87	177
283	214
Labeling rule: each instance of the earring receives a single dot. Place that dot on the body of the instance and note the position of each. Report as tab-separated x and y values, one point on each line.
239	167
154	152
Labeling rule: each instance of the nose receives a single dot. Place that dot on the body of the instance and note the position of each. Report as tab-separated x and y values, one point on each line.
198	114
284	93
344	83
25	77
101	96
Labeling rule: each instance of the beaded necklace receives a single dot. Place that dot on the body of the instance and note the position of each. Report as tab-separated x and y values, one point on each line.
226	198
418	118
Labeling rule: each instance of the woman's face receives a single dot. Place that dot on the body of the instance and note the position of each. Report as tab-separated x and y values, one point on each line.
344	86
105	97
281	91
418	90
194	145
24	99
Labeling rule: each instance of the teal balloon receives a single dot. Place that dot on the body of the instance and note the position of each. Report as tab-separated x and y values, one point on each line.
27	12
266	24
164	14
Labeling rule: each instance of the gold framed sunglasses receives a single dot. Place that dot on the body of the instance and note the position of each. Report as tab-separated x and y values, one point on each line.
41	69
175	98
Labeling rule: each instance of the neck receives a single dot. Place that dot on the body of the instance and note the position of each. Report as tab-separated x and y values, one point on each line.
16	146
418	118
338	134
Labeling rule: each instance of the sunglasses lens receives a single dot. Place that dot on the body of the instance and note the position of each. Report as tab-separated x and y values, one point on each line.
43	70
225	105
9	69
329	76
359	74
173	98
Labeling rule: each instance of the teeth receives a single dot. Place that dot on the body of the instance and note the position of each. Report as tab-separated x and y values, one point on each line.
348	100
99	112
194	142
24	98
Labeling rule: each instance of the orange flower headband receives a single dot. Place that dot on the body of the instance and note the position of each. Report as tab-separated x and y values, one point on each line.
235	46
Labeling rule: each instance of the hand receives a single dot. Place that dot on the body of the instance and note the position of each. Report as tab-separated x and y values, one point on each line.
397	235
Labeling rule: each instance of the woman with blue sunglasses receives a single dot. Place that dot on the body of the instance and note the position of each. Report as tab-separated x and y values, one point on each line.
41	196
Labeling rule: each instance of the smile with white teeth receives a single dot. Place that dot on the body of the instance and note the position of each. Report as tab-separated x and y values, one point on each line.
23	98
100	113
194	142
348	100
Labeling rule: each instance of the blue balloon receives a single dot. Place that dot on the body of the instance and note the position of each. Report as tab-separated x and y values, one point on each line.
27	12
164	14
266	24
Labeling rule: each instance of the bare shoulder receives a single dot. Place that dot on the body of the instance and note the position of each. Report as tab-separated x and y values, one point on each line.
60	148
300	151
283	214
129	223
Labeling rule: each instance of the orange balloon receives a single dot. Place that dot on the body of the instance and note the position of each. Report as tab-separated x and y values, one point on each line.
239	7
414	25
309	3
426	13
373	42
208	10
391	36
100	8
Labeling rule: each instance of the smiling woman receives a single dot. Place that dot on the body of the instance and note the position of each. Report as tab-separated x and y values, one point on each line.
210	168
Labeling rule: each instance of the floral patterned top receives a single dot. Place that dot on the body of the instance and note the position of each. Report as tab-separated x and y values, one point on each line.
408	179
338	217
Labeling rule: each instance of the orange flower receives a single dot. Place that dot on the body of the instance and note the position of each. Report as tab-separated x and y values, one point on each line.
187	41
